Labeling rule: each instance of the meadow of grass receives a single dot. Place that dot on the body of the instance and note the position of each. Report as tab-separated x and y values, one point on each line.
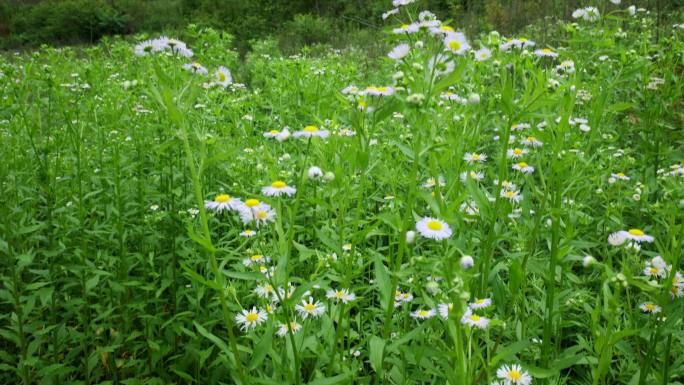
466	210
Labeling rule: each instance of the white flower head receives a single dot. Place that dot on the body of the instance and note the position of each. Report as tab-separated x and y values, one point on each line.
399	52
311	131
249	319
473	320
433	228
310	308
284	329
423	314
341	295
466	262
513	375
483	54
223	202
456	43
277	189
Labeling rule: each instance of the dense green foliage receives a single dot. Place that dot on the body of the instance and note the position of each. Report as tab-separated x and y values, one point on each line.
116	267
294	22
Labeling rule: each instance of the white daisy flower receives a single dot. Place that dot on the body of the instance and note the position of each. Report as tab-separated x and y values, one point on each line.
342	295
310	308
516	152
474	175
389	13
400	298
196	68
531	141
423	314
456	43
254	211
511	194
523	167
444	309
399	52
616	239
350	90
256	259
314	172
442	30
407	29
483	54
619	176
448	95
481	303
278	135
513	375
520	126
277	189
399	3
636	235
223	77
223	202
284	329
310	131
249	319
248	233
650	307
474	320
432	182
545	52
433	228
378	91
474	158
265	291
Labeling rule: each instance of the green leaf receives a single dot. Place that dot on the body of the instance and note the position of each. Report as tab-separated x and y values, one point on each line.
509	351
331	380
376	346
262	348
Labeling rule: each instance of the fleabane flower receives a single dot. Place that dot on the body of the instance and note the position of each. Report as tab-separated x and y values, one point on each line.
256	259
311	131
254	211
277	189
473	320
545	52
531	141
222	77
196	68
378	91
277	134
407	28
248	233
250	319
284	329
523	167
636	235
513	374
511	194
456	43
516	152
483	54
341	295
619	176
399	52
223	202
433	228
423	314
650	307
474	158
444	309
310	308
481	303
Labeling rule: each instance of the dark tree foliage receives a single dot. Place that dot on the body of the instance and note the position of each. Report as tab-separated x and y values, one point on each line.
294	22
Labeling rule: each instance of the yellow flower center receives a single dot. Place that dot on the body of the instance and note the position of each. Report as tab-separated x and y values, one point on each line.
522	165
397	293
446	28
293	325
269	308
515	375
405	26
475	317
523	39
363	104
649	306
476	156
339	294
261	214
278	184
252	317
251	202
546	50
434	225
531	139
423	313
310	128
454	45
620	174
653	270
517	151
256	257
636	232
309	307
222	76
382	89
480	301
509	194
275	132
405	295
222	198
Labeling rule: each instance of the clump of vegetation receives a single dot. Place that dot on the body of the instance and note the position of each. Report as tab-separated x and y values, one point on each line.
466	209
